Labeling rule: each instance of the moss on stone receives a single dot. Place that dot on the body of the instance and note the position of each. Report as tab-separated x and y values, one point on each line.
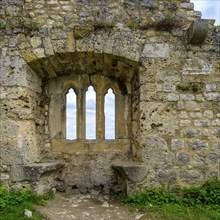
194	87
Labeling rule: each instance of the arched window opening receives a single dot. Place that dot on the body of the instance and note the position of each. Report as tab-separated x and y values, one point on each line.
90	113
109	115
71	115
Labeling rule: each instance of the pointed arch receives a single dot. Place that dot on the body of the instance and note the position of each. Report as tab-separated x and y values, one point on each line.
90	113
71	119
109	109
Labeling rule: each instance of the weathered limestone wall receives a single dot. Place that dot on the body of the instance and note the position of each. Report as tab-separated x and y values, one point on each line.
174	126
75	13
179	115
22	118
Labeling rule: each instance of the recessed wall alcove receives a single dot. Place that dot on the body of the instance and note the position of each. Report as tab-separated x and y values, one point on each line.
88	161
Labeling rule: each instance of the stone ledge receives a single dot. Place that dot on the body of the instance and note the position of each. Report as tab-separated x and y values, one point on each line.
130	175
36	170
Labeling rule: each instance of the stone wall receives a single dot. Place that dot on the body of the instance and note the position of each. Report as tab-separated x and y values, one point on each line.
173	120
22	119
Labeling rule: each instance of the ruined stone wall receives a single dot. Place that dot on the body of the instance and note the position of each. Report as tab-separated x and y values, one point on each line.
22	118
179	115
174	87
75	13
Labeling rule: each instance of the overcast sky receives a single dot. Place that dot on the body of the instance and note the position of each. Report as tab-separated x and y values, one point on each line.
90	114
210	9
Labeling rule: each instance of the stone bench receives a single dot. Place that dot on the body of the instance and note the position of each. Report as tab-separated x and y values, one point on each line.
130	175
42	175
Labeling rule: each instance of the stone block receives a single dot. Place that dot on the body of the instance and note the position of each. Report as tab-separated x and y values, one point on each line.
216	122
20	186
172	97
216	132
212	96
168	87
130	174
214	157
17	173
202	123
134	172
39	52
180	105
48	46
183	158
36	170
177	144
167	177
212	87
184	123
190	105
198	144
183	114
19	150
45	184
3	93
187	6
156	51
14	41
160	116
200	98
195	114
43	175
196	66
5	168
208	114
35	42
187	97
4	176
190	132
190	176
196	14
156	152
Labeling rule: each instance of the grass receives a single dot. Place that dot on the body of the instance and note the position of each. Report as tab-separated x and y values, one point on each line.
2	26
195	203
14	203
17	212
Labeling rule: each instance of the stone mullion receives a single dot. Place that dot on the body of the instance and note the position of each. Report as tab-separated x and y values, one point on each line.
100	116
120	131
63	115
81	119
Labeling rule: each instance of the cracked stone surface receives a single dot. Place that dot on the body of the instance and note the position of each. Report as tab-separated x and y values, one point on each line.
91	207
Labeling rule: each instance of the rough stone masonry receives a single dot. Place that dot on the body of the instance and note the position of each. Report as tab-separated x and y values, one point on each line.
162	62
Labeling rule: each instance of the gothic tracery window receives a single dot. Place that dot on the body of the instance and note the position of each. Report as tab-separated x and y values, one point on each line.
94	113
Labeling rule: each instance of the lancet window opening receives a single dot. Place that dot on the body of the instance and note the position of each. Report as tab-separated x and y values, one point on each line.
109	109
71	119
90	115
